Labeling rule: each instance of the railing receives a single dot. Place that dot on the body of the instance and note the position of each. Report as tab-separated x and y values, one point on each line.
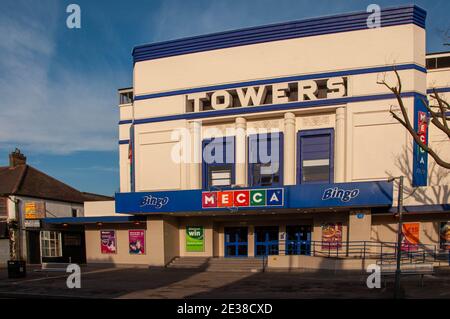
383	252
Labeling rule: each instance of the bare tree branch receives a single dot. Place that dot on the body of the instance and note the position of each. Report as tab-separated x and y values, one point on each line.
439	119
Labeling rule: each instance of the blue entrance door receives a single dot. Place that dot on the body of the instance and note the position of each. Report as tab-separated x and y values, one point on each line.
298	240
266	241
236	243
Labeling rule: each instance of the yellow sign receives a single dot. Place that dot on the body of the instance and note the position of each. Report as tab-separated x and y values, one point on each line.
34	210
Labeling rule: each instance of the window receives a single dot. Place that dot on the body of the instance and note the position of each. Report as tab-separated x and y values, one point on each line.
3	229
443	62
265	159
315	160
74	212
438	63
220	175
51	244
3	216
126	97
218	162
3	207
431	63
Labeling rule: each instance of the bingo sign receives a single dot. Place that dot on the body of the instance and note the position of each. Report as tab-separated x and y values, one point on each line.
244	198
420	157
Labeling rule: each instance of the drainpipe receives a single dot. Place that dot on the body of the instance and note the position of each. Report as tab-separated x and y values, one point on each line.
19	229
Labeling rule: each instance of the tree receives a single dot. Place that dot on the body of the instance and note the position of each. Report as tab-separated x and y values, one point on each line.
438	110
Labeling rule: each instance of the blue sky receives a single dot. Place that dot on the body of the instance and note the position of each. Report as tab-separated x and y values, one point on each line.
58	85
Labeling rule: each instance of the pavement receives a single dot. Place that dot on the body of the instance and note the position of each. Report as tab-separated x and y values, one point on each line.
163	283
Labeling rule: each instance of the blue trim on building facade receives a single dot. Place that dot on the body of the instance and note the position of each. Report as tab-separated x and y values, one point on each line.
314	132
410	14
380	69
439	90
273	107
121	142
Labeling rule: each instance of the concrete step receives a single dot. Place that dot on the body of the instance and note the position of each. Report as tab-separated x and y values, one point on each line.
218	264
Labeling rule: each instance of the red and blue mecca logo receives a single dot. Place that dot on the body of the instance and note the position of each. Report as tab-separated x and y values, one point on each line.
243	198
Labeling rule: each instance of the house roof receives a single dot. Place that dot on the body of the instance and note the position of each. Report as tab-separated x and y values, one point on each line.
90	197
25	180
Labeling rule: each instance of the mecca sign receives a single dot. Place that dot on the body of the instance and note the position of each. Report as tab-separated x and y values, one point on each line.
272	197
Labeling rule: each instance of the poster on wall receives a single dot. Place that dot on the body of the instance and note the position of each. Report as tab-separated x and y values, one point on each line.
34	210
108	241
136	239
410	238
444	238
332	236
195	239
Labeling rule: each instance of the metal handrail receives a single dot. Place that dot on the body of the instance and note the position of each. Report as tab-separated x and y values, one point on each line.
381	251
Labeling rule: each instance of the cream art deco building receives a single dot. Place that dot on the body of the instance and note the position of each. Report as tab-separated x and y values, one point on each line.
277	141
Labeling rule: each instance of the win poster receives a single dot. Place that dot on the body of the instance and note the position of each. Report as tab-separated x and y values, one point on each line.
195	239
136	240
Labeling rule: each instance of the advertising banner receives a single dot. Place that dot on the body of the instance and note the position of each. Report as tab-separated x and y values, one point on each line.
195	240
136	239
445	235
108	241
34	210
357	194
420	157
332	236
410	239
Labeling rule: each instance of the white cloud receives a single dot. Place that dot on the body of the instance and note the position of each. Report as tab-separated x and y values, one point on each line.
46	107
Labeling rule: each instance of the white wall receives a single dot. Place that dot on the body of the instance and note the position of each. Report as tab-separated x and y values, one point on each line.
101	208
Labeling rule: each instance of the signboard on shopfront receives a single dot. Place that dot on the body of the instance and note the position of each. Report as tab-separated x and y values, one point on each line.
304	196
34	210
32	223
420	157
272	197
195	239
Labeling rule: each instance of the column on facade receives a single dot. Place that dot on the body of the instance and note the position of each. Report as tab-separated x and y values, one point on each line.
241	151
339	156
289	149
196	154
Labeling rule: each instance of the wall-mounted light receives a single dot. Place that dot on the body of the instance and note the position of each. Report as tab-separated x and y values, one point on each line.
99	224
65	225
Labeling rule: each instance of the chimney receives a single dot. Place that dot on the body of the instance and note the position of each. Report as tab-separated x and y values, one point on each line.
17	158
